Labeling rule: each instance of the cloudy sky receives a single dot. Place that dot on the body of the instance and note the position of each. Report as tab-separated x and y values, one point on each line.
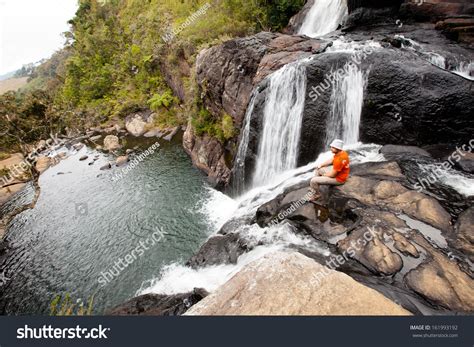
31	30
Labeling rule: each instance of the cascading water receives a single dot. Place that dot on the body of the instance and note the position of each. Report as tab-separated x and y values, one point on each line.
346	106
282	118
465	70
324	17
461	68
239	163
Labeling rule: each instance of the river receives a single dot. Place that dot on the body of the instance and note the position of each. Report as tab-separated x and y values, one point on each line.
84	223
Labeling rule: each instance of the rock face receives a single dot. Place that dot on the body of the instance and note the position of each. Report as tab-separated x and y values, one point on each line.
292	284
227	75
159	305
208	155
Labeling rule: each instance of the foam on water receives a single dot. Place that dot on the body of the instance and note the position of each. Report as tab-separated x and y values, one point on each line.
465	70
449	177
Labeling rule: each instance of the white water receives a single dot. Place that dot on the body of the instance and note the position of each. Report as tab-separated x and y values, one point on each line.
342	45
346	106
282	118
177	278
239	164
437	59
449	177
465	70
324	17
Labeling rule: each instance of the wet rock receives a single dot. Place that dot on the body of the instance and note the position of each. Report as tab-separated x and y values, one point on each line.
219	249
111	143
396	197
297	20
315	290
389	170
153	133
78	146
396	149
365	246
106	167
159	305
441	280
122	160
172	133
404	246
465	233
8	191
466	163
84	157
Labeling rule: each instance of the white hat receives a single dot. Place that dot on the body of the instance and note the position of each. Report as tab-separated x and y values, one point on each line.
338	144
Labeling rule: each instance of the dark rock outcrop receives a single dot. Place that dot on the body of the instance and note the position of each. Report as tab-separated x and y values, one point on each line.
219	249
158	305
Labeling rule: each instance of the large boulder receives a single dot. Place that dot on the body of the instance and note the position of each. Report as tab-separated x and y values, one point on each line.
137	124
111	143
291	284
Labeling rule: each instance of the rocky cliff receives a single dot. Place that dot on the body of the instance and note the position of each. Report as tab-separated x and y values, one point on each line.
406	92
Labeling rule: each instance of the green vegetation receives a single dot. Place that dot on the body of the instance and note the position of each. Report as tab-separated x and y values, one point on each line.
116	62
67	307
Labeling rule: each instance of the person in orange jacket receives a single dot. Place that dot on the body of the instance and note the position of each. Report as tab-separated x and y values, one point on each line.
334	171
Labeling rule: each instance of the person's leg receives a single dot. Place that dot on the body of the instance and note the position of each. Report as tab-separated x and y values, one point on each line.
317	181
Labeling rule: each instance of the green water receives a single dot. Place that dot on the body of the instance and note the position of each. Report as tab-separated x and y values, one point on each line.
84	223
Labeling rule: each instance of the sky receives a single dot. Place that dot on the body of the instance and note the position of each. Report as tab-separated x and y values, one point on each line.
31	30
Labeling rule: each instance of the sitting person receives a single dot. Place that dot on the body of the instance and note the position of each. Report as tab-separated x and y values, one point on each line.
336	174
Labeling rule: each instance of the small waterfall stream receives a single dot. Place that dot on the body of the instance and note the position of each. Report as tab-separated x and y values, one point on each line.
239	163
283	114
346	106
324	17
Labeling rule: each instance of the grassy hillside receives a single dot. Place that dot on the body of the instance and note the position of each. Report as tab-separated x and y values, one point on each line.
120	57
12	84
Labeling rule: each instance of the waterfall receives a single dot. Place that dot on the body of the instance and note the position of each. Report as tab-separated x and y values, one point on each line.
346	106
465	70
324	17
239	163
281	123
